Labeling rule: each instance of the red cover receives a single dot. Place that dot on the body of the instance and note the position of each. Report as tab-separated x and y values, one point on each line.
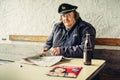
65	71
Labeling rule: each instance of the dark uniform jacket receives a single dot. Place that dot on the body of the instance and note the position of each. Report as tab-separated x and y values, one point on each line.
71	42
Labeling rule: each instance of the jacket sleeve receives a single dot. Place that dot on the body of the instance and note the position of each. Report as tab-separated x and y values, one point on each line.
49	41
77	51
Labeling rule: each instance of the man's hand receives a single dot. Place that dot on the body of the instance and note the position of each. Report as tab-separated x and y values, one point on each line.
56	51
45	49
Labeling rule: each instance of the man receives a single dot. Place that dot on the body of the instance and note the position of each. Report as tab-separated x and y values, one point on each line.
68	36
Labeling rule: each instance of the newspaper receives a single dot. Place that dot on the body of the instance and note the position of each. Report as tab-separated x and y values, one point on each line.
43	60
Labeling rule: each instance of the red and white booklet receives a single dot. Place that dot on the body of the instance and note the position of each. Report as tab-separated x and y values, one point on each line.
65	71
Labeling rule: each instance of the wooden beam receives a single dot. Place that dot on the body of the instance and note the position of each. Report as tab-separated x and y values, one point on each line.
108	41
34	38
31	38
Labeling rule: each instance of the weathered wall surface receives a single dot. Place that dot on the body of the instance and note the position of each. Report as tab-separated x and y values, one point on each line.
36	17
18	50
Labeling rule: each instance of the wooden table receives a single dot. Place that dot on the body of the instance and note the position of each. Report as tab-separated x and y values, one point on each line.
18	71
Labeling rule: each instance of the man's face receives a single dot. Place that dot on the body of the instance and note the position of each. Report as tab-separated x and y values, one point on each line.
68	20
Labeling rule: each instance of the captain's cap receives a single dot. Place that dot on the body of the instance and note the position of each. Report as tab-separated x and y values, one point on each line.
66	8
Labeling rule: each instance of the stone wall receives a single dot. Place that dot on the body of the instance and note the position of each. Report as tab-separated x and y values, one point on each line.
36	17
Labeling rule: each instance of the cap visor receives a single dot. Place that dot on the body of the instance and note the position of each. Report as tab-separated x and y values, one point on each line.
65	12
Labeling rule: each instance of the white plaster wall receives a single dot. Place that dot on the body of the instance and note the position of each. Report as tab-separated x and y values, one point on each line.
36	17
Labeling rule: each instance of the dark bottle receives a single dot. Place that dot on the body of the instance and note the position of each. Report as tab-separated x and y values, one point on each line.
87	53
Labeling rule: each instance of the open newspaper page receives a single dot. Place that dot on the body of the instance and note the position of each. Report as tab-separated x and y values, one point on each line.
45	59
